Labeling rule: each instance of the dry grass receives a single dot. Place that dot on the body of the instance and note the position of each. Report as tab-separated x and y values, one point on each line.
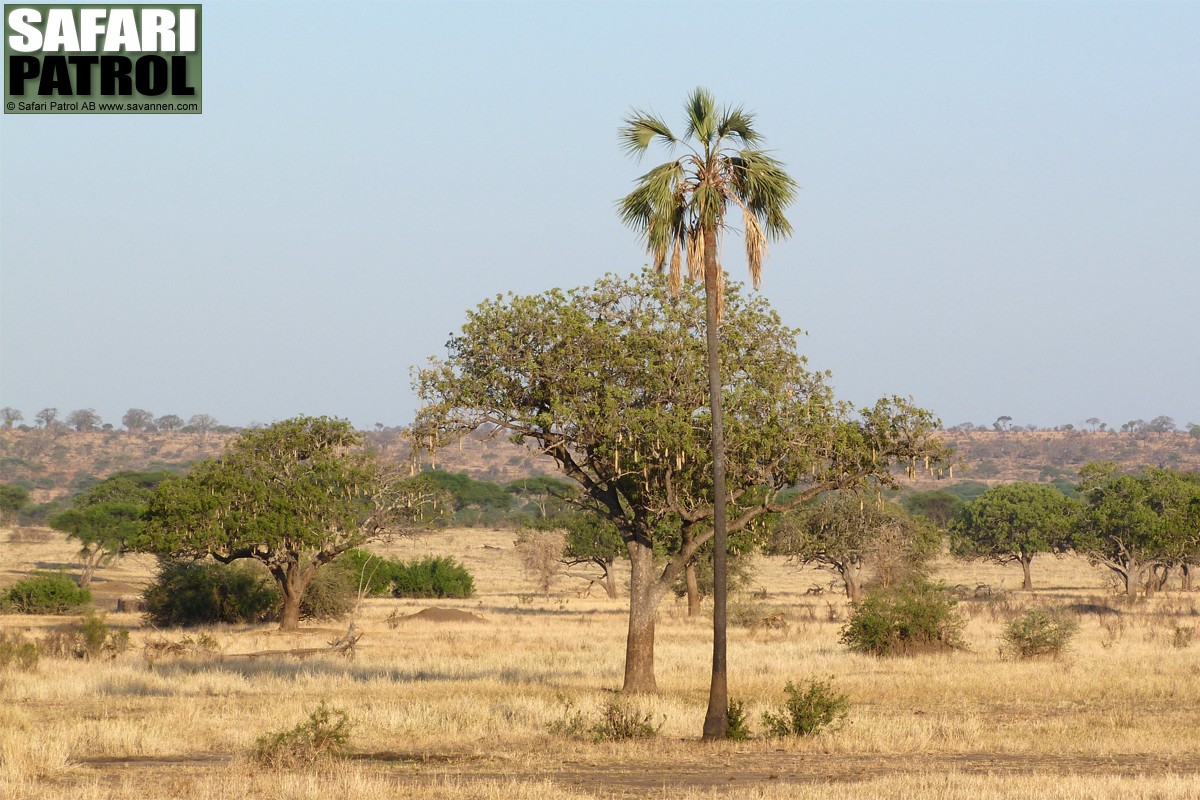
463	710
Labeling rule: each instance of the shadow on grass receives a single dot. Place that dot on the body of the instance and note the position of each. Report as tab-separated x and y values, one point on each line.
293	669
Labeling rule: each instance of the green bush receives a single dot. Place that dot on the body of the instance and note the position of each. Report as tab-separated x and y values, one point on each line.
1038	633
198	593
324	735
189	593
739	728
808	710
376	574
46	593
434	576
914	618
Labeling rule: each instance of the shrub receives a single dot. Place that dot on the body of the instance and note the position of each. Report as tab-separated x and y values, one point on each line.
376	575
16	651
198	593
621	720
913	618
808	710
1039	633
434	576
46	593
739	728
618	720
324	735
189	593
331	594
90	638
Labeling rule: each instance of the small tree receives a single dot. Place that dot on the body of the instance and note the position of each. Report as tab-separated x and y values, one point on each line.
1139	524
84	419
293	495
138	420
168	423
46	417
592	540
108	518
10	416
1013	523
12	500
845	532
202	423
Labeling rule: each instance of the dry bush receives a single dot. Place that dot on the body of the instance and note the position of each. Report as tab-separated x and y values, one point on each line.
323	736
541	555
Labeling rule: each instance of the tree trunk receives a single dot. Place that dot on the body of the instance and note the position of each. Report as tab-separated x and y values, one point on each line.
292	582
639	645
1026	559
716	720
1133	574
851	575
1186	571
610	581
693	589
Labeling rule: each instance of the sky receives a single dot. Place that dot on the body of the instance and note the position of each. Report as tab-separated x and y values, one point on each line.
999	212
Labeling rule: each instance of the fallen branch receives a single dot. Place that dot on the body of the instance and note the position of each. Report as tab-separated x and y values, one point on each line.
341	646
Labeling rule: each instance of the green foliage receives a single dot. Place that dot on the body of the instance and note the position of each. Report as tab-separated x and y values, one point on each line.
12	500
1037	633
738	729
324	735
1015	521
45	593
188	593
433	576
809	709
913	618
939	506
476	503
293	495
375	574
17	652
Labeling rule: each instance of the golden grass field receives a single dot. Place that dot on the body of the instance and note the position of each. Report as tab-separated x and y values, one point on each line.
461	710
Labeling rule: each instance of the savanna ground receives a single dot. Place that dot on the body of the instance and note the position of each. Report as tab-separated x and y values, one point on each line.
463	709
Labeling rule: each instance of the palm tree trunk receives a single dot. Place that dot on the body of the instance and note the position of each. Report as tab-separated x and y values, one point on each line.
716	720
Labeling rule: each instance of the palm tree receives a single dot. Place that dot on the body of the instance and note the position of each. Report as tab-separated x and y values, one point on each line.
680	210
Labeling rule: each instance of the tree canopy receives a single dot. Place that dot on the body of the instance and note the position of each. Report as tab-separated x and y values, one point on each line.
109	518
847	532
1015	522
292	495
611	381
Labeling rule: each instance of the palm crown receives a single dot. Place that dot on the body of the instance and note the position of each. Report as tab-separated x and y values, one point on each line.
677	203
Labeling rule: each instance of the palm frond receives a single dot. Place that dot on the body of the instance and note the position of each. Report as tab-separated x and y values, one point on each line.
756	245
702	116
739	124
695	256
764	186
639	131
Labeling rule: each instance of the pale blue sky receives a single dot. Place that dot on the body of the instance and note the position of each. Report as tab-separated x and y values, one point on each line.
1000	210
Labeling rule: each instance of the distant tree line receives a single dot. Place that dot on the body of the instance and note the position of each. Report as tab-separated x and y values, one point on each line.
135	420
1160	424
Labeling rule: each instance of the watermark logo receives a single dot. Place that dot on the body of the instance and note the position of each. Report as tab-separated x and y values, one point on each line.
98	59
